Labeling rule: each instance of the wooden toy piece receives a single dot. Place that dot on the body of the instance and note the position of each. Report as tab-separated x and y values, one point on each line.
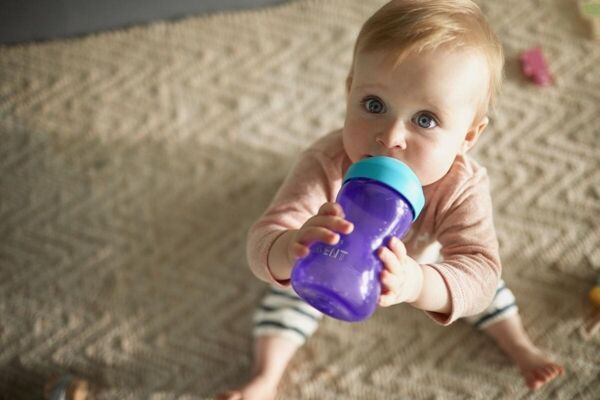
67	387
534	67
592	325
590	11
595	295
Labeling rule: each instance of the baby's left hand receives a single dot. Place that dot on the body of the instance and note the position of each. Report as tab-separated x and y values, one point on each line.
393	275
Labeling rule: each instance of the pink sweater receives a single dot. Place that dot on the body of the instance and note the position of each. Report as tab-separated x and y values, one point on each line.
457	213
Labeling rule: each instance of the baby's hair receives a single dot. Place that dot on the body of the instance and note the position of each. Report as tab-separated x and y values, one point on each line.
405	27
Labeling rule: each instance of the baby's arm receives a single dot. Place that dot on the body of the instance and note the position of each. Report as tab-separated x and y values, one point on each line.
465	281
276	239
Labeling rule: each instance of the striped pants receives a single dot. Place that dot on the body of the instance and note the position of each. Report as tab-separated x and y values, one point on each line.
283	313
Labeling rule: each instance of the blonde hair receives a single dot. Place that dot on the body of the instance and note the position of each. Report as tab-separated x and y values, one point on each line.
412	26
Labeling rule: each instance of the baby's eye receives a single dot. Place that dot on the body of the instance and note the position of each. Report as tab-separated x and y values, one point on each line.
373	105
425	120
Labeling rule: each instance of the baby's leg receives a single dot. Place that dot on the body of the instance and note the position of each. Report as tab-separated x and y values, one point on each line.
501	321
282	323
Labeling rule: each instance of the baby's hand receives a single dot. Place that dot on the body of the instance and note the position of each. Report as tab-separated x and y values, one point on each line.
323	227
393	275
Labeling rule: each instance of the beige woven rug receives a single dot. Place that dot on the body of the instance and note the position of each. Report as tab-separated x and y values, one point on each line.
133	162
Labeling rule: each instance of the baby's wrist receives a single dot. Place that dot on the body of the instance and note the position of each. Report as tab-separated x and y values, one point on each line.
430	291
414	280
280	260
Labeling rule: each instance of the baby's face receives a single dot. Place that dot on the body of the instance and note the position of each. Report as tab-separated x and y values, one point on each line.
421	112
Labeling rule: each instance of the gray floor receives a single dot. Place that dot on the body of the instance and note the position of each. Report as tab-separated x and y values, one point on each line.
29	20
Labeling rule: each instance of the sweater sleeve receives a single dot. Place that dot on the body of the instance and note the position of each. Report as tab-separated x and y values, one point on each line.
304	190
470	264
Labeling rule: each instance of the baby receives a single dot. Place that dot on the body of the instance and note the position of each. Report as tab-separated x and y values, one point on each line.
423	77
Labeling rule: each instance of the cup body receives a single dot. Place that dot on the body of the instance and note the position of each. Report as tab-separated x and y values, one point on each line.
343	280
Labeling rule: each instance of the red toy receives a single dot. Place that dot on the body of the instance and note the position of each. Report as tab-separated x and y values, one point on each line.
534	67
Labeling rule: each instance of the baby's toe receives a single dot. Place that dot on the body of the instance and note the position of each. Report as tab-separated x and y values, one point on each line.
535	379
559	370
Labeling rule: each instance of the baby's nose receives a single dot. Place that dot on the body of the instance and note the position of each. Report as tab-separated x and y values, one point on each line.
393	137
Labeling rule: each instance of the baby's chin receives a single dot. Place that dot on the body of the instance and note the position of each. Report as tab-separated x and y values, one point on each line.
429	177
428	180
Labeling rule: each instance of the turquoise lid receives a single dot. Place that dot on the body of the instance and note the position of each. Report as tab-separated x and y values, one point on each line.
393	173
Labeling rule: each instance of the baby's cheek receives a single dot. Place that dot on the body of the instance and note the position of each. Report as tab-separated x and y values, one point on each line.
430	165
354	145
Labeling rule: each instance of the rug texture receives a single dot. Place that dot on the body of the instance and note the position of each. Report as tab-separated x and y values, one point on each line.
133	162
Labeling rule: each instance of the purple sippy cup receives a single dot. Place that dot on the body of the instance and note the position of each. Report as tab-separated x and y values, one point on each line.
381	196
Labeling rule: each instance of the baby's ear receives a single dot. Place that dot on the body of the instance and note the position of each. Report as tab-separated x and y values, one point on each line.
474	133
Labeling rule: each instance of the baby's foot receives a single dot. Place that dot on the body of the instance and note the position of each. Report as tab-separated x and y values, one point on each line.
537	368
259	388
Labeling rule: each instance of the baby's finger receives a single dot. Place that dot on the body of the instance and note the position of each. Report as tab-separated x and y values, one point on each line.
388	299
390	282
398	248
299	250
336	224
331	208
395	262
390	261
311	234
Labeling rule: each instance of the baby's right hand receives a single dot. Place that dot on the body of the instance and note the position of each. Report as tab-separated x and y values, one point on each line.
323	227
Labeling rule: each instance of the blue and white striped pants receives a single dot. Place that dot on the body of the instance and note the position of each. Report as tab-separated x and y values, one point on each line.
283	313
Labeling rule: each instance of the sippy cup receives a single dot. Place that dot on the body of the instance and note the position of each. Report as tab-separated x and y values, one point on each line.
381	196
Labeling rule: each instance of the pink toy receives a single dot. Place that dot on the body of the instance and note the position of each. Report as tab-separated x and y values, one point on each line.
534	67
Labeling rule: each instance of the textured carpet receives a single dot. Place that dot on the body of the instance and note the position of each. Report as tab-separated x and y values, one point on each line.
133	162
